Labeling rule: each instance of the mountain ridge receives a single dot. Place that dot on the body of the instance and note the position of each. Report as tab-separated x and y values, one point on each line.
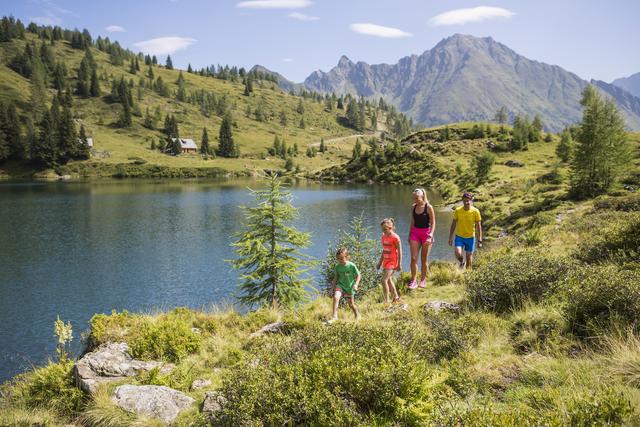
464	78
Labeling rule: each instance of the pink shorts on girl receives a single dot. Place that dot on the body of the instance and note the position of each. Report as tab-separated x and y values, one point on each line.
421	235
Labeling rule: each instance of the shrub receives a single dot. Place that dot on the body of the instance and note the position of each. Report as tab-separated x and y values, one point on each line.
618	241
52	387
598	296
449	337
532	237
444	273
168	338
111	327
601	407
538	328
363	252
505	281
627	203
343	375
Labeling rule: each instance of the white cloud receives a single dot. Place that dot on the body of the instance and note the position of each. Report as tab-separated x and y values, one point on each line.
302	17
274	4
115	29
164	45
287	59
379	31
474	14
46	20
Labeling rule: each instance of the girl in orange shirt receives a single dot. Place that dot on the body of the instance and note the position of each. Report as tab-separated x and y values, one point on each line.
390	259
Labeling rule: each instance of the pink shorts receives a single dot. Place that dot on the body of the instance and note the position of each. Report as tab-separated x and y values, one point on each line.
420	235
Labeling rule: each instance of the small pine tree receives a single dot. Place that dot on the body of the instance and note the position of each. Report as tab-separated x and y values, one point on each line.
481	165
226	145
169	63
204	145
302	125
565	146
323	148
94	89
283	118
268	251
501	116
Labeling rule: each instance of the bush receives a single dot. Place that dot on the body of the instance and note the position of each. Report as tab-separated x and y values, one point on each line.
602	407
449	337
51	387
444	273
505	281
363	252
169	338
538	328
618	241
599	296
343	375
111	327
627	203
532	237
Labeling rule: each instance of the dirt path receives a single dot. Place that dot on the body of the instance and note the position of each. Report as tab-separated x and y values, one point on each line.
344	138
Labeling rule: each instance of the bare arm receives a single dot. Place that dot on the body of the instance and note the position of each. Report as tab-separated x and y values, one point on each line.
410	223
399	267
479	232
380	260
432	215
355	287
451	231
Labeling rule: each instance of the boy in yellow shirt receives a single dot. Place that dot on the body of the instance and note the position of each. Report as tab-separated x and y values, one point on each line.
467	225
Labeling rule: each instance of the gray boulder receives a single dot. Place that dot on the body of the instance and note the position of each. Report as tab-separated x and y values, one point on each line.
213	403
199	384
110	362
154	401
271	328
441	305
514	164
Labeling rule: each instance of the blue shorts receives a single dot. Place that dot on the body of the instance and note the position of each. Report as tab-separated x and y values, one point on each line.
468	243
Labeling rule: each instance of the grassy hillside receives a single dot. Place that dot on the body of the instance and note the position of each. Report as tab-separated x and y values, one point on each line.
119	146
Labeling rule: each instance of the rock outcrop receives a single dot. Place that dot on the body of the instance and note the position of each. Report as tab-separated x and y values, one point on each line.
154	401
110	362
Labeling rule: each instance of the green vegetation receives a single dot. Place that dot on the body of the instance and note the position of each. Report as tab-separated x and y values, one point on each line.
268	251
122	98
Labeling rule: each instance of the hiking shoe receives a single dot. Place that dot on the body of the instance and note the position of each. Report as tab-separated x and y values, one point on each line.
423	283
329	322
413	285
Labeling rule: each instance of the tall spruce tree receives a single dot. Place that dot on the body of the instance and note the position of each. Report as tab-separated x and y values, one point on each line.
226	145
204	145
169	63
83	150
94	89
602	148
68	146
269	251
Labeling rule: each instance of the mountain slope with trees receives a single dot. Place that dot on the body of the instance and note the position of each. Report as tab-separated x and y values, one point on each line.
134	110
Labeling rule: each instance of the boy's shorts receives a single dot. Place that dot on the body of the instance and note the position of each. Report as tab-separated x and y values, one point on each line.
467	243
349	293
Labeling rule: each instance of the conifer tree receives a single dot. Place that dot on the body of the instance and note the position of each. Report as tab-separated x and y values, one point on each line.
5	150
169	63
83	151
323	148
44	149
181	95
536	129
269	251
283	118
226	145
601	150
302	124
300	107
125	116
204	145
565	146
68	147
94	89
175	146
189	69
501	116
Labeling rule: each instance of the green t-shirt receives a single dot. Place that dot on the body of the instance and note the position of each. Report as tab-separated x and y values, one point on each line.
346	276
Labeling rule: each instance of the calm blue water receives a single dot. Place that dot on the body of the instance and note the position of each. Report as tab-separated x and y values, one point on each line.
75	249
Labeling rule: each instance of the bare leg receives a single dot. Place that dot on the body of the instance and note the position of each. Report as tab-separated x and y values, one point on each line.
415	248
385	288
392	286
352	304
458	253
336	301
469	256
424	268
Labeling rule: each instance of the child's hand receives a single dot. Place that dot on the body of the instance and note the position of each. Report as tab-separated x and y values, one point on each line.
398	268
355	287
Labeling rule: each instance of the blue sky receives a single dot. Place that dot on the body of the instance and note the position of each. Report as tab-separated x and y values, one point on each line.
591	38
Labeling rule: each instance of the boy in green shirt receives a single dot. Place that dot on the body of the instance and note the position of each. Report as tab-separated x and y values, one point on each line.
345	282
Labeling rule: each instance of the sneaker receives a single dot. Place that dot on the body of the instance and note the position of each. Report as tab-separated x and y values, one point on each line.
423	283
413	285
461	265
329	322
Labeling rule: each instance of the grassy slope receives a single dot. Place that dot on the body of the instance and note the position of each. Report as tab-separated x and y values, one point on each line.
252	136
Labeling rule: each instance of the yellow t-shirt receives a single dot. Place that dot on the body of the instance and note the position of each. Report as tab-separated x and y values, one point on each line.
466	221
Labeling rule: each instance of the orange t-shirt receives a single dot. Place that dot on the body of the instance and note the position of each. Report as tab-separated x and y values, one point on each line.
390	250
